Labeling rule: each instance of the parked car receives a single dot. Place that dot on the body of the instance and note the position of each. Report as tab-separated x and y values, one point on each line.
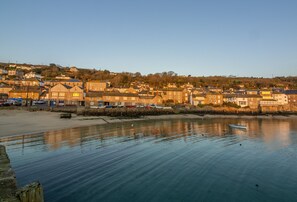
17	104
7	104
94	107
38	102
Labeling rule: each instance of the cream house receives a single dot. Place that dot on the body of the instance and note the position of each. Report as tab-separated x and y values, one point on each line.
66	95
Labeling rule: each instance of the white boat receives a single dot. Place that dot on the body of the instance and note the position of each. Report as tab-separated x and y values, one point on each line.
237	126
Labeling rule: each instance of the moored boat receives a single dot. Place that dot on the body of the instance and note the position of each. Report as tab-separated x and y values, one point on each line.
237	126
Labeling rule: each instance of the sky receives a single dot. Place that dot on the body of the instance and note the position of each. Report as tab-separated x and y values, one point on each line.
190	37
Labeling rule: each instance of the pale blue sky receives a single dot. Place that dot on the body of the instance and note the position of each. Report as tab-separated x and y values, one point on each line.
211	37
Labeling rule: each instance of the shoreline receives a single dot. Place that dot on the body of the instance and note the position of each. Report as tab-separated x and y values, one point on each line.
23	122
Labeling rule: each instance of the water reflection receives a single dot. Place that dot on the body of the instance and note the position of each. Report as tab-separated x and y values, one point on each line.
171	160
274	132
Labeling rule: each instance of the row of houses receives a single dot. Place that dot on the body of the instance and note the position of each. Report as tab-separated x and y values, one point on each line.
94	93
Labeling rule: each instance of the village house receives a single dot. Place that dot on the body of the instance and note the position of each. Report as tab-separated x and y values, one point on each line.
96	85
248	100
123	99
63	94
266	94
281	98
241	101
73	69
14	72
69	82
32	75
31	93
214	98
14	82
175	95
30	82
214	89
229	98
3	72
150	100
198	99
252	92
5	88
126	90
268	105
94	99
3	97
292	97
24	67
62	77
253	100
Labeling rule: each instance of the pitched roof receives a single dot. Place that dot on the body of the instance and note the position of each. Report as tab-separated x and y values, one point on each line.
290	92
120	94
94	94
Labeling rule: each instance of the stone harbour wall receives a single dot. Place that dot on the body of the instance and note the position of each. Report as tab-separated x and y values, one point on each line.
8	184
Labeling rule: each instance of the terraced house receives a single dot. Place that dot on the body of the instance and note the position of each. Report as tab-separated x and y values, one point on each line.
96	85
214	98
175	95
32	93
62	94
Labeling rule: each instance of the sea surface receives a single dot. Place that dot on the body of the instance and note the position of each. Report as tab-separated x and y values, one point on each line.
162	160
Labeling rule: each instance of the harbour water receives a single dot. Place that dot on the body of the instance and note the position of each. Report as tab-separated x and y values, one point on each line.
164	160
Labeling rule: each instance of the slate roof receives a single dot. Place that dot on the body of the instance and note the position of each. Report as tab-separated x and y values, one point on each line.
290	92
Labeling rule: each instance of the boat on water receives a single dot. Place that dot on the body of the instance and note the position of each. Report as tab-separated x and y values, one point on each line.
237	126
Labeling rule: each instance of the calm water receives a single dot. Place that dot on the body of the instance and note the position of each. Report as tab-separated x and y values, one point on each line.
179	160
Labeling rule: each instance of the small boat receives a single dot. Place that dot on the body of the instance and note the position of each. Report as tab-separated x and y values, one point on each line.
237	126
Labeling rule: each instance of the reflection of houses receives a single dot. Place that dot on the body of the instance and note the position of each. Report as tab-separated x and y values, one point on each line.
66	95
276	130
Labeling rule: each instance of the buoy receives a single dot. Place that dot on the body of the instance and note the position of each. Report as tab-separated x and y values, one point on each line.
240	144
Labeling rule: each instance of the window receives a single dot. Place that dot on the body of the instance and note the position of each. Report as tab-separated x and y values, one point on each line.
61	94
54	94
75	94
